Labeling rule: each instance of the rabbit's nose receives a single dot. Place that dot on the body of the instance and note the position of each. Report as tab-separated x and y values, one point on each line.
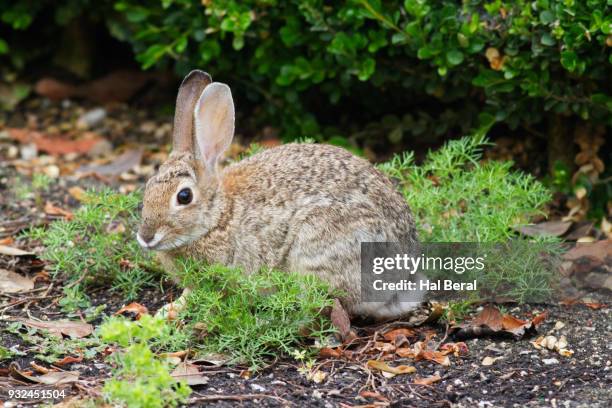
145	236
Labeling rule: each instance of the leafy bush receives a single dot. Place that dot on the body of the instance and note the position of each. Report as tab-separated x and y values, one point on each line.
435	64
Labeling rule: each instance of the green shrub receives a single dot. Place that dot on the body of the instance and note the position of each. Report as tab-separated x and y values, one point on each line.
457	198
253	317
97	246
435	64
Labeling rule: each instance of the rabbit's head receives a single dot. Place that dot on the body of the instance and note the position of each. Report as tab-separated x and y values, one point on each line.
178	199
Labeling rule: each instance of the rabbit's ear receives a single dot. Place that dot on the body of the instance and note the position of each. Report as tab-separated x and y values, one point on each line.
190	90
214	123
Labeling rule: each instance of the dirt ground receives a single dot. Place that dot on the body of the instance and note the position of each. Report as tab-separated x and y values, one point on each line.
494	371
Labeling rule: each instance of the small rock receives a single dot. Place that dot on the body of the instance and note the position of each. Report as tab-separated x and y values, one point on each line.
559	325
489	361
317	394
91	118
258	388
52	171
550	361
29	151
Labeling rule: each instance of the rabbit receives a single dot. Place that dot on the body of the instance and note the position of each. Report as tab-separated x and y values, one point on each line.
303	208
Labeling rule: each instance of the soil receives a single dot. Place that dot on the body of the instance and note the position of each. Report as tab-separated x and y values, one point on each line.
521	375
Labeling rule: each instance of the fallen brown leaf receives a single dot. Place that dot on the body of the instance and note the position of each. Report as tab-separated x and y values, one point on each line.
548	228
596	250
427	380
382	366
133	310
393	334
341	321
128	160
57	145
491	321
457	349
61	327
11	251
595	306
375	395
327	352
77	193
55	211
7	241
51	378
422	353
189	373
38	368
11	282
68	360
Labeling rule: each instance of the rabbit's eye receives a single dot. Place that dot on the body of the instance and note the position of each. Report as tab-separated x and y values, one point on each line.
184	196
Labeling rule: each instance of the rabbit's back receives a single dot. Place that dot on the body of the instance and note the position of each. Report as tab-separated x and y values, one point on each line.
302	176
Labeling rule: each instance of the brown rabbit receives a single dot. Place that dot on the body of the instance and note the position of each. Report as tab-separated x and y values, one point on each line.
303	208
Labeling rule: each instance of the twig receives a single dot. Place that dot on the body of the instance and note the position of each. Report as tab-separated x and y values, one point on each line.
443	338
239	397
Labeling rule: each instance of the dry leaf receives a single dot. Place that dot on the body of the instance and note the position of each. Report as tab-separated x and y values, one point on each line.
435	356
327	352
491	321
11	282
457	349
51	378
55	211
127	161
317	376
39	369
61	327
372	394
189	373
548	228
68	360
598	251
57	145
382	366
391	335
428	380
133	310
77	193
7	241
340	320
11	251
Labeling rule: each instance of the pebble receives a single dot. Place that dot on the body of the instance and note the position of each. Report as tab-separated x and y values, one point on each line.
91	118
258	388
29	151
550	361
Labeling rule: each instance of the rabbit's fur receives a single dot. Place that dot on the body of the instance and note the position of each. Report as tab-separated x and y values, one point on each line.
298	207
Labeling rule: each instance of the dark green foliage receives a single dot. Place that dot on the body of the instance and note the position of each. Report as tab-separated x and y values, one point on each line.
434	65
